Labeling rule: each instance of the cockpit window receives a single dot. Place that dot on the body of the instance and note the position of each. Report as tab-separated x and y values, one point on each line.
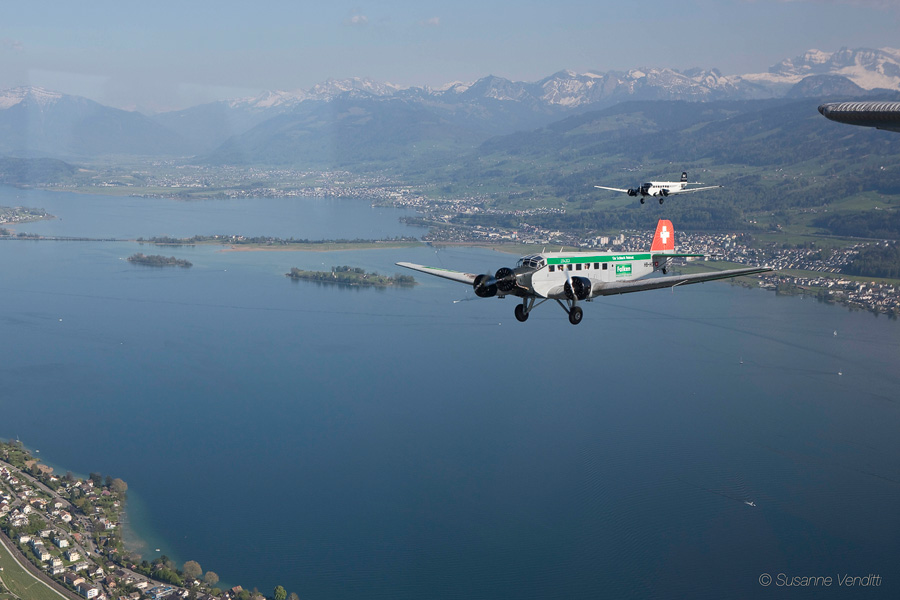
533	262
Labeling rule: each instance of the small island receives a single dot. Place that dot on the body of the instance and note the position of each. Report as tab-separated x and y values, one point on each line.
157	260
345	275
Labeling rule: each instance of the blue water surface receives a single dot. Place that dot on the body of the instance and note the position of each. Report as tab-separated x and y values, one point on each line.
362	443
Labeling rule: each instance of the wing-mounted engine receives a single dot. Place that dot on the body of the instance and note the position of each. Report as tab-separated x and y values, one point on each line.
632	192
664	191
487	286
578	288
506	279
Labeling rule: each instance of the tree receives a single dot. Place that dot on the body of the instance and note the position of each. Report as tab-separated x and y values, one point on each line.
192	569
280	593
97	478
210	578
118	486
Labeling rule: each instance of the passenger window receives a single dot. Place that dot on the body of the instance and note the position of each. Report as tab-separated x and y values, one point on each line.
605	266
552	268
578	267
596	265
569	267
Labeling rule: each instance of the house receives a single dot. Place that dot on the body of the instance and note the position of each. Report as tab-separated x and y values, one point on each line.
72	579
87	589
24	539
65	516
72	555
81	565
61	542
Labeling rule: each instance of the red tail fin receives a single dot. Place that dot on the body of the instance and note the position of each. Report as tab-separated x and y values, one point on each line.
664	240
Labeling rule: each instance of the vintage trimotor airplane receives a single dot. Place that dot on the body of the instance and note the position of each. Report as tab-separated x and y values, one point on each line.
570	277
661	189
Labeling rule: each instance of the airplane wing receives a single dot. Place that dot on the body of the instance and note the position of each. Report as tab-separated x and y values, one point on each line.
611	189
445	273
686	190
653	283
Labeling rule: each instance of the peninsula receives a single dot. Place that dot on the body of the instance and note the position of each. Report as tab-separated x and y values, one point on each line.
60	539
345	275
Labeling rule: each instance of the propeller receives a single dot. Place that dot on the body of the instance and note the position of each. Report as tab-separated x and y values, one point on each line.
632	192
485	286
575	287
506	279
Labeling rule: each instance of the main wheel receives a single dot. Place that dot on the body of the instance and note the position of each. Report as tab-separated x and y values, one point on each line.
642	200
521	315
575	315
661	200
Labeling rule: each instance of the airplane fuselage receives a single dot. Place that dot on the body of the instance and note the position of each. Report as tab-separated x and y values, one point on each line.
660	188
546	274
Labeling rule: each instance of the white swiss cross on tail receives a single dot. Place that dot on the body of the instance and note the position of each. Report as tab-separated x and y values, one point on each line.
664	240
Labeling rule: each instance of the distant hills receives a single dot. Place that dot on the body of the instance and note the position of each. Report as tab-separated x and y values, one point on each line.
360	123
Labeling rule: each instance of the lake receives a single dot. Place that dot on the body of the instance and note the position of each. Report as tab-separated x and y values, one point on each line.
349	443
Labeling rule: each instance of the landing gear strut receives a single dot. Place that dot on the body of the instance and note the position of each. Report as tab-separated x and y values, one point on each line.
523	310
575	312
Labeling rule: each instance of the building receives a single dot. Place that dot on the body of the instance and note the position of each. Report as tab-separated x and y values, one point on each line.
87	589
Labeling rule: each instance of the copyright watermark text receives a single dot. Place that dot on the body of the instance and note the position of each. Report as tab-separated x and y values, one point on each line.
837	580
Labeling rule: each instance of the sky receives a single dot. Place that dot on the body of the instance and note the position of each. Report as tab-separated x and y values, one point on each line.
163	55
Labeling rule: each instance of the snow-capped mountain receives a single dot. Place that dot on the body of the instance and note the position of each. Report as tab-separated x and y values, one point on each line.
36	95
37	121
869	69
326	91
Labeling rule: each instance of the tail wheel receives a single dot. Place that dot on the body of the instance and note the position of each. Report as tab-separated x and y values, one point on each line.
575	315
642	200
521	315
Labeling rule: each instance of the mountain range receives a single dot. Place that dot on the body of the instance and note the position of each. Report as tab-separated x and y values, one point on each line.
360	122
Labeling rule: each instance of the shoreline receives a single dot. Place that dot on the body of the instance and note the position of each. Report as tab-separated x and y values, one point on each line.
130	557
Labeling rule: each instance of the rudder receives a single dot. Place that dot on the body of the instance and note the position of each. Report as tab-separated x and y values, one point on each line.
664	240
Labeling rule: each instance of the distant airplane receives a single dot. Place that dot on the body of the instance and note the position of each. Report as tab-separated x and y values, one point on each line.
881	115
662	189
573	276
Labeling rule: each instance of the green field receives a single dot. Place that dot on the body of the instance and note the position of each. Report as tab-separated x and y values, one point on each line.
21	583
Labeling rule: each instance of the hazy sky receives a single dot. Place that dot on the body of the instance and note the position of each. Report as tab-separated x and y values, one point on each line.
165	55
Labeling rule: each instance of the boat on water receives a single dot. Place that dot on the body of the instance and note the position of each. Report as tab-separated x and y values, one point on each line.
749	502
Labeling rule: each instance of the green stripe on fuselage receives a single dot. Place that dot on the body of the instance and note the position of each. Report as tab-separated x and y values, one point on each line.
567	260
